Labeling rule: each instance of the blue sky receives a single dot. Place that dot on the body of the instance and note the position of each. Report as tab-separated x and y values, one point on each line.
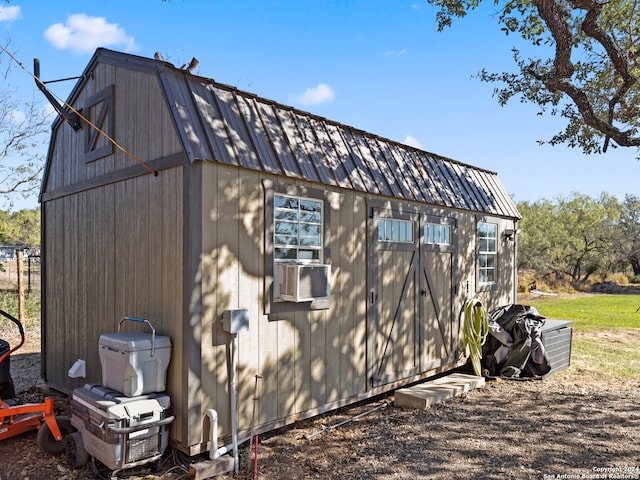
380	66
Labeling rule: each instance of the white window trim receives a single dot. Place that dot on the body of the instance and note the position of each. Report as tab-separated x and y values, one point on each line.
487	253
298	247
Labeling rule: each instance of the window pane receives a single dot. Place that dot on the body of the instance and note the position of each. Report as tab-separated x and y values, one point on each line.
286	202
310	217
285	253
310	241
402	228
310	206
286	228
396	231
309	230
290	215
308	254
286	240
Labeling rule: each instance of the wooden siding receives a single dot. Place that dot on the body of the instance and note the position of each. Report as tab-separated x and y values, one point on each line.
105	259
146	131
305	359
112	233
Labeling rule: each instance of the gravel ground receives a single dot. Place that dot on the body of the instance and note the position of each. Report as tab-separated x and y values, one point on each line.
575	424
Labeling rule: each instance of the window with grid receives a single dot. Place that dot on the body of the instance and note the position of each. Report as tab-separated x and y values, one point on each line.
391	230
487	252
437	234
297	229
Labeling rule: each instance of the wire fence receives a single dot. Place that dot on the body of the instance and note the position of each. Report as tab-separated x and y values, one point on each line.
20	282
9	269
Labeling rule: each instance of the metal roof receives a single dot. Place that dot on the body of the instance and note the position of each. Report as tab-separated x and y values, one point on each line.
220	123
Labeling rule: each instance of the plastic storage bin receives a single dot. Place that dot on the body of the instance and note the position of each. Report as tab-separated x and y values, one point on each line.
134	363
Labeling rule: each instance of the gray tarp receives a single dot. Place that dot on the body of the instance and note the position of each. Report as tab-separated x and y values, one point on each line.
514	348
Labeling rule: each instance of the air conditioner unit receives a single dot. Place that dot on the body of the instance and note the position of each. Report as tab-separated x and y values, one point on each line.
297	282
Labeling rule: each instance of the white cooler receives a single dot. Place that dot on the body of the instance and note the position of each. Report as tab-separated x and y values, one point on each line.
134	363
121	432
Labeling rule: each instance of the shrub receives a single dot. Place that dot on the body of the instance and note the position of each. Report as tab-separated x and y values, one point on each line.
619	278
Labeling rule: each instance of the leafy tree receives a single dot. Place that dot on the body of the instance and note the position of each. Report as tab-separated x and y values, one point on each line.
591	78
20	228
22	137
630	231
574	235
538	236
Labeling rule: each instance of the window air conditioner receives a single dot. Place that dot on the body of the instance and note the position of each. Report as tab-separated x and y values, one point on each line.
296	282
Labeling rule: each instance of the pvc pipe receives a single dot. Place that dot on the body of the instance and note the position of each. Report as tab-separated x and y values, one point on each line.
229	447
233	399
214	453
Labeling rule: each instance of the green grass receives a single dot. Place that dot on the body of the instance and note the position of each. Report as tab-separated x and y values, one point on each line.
9	303
592	312
604	344
610	358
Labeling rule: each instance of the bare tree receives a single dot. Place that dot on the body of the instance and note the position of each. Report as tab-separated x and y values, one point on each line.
23	129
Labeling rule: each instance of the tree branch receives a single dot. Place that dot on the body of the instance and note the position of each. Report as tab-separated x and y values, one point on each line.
556	17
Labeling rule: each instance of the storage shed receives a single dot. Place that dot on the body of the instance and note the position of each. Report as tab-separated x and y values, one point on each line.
350	255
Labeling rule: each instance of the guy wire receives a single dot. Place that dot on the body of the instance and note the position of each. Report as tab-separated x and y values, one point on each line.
82	117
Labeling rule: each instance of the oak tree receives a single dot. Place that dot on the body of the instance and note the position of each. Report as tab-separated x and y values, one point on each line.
591	75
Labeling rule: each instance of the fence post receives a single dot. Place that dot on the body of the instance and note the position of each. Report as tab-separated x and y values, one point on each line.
19	266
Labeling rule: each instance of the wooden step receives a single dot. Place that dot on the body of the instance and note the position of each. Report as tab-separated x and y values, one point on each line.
425	394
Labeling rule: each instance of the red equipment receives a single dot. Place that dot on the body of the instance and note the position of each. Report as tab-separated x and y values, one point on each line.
17	419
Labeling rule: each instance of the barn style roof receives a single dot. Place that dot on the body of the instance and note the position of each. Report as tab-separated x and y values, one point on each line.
220	123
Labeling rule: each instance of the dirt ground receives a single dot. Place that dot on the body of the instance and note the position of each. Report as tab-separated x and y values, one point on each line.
574	424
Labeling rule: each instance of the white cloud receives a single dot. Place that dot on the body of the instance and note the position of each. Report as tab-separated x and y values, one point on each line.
48	112
412	142
315	96
7	14
17	117
395	52
82	33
